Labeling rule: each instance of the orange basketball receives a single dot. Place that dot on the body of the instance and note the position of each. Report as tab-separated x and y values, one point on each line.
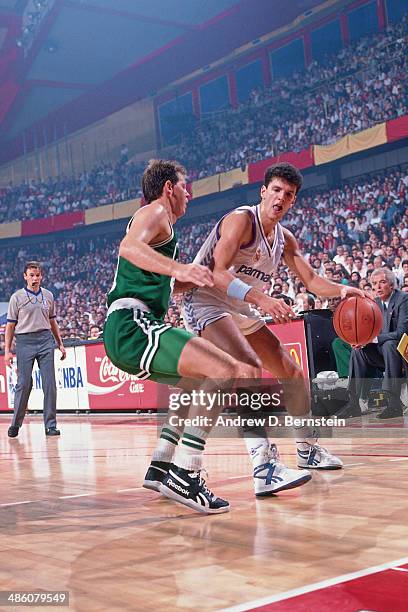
357	320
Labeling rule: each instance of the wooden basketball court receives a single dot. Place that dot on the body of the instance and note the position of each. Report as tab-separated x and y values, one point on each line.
75	518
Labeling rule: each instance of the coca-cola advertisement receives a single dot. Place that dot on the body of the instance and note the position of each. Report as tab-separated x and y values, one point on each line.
110	388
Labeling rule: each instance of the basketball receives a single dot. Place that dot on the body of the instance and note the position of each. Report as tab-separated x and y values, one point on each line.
357	320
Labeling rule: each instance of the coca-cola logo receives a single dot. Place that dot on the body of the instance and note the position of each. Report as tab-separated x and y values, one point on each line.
108	372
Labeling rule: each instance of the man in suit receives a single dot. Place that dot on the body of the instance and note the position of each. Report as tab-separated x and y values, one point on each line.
381	353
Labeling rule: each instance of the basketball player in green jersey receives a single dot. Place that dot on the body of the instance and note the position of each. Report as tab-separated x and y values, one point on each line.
138	341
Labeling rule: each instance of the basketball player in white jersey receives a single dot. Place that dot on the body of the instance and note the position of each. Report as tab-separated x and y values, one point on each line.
243	250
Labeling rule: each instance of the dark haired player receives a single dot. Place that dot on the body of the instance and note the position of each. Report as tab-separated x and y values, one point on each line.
243	250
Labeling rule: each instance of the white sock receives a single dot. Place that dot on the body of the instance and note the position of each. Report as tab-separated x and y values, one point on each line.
167	443
257	449
305	434
189	454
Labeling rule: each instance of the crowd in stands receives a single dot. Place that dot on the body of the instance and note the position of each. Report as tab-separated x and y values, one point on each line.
364	84
106	183
345	233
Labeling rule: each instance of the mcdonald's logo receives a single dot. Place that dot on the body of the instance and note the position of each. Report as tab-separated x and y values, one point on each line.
295	356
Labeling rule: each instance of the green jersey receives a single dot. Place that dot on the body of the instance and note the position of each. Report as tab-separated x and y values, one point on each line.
151	288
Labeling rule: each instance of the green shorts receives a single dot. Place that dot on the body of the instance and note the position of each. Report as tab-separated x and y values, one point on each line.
140	344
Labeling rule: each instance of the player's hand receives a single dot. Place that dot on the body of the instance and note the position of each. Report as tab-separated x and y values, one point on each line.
360	346
345	291
278	309
63	351
194	273
8	358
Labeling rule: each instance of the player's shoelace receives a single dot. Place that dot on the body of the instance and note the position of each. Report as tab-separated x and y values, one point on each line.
202	484
321	449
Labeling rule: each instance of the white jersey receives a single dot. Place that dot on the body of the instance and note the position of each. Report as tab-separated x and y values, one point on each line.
254	264
256	261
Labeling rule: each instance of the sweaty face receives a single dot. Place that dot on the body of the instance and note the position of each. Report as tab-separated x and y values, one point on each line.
381	286
278	198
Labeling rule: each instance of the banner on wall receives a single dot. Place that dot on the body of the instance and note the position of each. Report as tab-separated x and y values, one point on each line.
88	380
303	159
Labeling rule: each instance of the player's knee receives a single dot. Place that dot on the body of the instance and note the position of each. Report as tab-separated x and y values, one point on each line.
389	346
294	371
258	364
254	361
225	370
234	369
246	370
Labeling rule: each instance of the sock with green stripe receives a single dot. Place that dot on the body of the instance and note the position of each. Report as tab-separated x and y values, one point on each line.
189	455
166	445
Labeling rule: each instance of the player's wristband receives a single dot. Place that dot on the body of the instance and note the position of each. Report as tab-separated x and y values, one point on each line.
238	289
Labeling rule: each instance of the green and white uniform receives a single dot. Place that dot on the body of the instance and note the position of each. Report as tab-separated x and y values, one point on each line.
135	336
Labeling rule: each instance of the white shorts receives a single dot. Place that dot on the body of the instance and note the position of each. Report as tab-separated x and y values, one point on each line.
204	306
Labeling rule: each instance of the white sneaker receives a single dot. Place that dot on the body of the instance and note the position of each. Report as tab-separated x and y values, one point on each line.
315	457
272	476
365	408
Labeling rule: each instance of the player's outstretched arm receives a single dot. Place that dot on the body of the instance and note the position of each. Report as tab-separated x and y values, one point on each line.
313	282
150	226
236	230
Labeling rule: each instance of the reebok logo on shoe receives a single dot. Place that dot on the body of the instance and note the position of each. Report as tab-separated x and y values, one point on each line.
171	483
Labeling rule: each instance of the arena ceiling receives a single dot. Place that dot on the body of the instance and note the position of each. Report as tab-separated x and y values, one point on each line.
88	58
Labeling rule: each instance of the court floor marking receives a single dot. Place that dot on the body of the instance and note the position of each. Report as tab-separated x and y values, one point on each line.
144	489
28	501
44	501
257	603
95	493
76	495
133	489
69	454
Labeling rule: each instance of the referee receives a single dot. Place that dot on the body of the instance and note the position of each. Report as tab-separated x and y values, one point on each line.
31	318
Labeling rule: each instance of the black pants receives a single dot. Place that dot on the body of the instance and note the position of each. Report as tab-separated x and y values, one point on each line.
366	362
